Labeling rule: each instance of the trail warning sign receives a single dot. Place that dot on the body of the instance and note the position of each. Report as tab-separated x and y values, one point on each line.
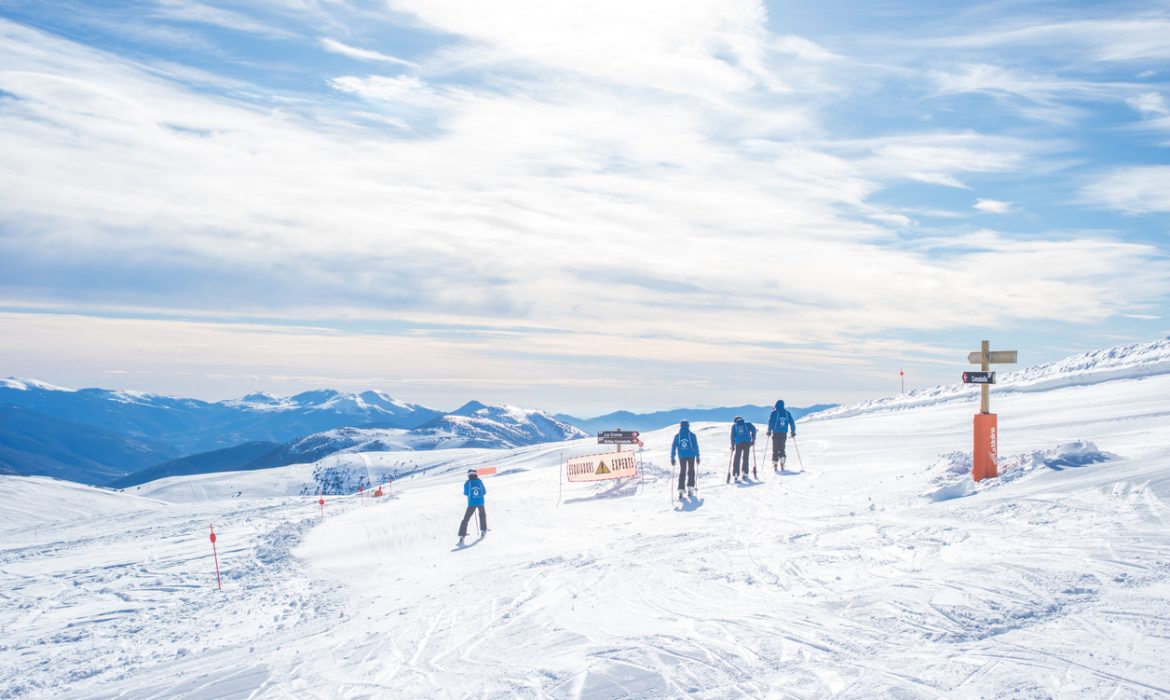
613	465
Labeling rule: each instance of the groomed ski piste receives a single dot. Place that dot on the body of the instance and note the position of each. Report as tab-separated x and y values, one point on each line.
877	570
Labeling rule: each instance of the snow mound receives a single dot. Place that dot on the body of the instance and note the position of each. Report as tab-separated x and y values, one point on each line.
1135	361
951	474
952	477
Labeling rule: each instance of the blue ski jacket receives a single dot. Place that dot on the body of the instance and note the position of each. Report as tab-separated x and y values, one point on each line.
475	491
781	420
742	432
686	444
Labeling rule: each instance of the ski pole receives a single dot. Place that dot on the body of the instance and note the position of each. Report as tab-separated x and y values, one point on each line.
754	463
730	456
797	447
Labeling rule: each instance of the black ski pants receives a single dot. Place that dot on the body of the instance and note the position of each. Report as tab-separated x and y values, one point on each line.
467	518
778	440
743	450
686	472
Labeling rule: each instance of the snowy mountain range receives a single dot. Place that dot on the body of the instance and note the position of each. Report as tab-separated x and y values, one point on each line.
95	435
126	438
191	425
472	425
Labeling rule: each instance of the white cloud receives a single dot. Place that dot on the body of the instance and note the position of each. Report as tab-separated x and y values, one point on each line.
337	47
993	206
405	88
1149	104
1044	97
1137	190
940	158
197	12
708	49
1132	37
803	48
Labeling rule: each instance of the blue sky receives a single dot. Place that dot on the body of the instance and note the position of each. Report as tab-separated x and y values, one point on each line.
576	207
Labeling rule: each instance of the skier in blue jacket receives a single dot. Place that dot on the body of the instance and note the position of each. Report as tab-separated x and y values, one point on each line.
475	491
686	447
743	437
780	423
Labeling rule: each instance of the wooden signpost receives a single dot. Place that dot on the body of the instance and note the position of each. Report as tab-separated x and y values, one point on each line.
985	459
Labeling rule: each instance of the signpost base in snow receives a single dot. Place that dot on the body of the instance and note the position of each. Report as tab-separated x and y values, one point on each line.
985	459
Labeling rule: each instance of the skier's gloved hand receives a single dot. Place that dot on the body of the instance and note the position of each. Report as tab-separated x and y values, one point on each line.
698	461
672	462
769	433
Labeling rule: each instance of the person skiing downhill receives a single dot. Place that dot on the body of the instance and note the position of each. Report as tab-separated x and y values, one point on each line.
780	423
475	491
743	436
686	447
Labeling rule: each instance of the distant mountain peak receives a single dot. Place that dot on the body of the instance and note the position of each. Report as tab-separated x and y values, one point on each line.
469	408
315	396
26	383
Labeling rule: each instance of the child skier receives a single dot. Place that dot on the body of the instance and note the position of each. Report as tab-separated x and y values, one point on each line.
474	489
686	446
743	436
779	425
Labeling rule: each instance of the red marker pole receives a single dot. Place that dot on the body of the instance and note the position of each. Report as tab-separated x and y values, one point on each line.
903	376
215	554
322	502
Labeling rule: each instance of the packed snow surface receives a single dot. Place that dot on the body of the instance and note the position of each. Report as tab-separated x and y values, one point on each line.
873	568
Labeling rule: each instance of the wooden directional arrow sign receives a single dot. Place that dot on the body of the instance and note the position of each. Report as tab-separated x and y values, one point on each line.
995	357
985	358
617	437
979	377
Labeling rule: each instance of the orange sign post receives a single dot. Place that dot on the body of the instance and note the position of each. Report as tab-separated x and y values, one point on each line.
985	459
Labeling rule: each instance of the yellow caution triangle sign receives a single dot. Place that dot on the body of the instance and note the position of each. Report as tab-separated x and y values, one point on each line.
601	468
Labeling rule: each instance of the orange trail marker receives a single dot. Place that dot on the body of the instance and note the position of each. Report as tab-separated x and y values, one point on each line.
215	554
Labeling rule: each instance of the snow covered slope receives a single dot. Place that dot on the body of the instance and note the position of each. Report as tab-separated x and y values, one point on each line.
877	570
1123	362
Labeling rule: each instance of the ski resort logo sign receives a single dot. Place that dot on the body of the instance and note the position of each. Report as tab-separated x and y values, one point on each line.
612	465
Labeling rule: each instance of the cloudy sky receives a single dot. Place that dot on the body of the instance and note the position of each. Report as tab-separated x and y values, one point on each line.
576	206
